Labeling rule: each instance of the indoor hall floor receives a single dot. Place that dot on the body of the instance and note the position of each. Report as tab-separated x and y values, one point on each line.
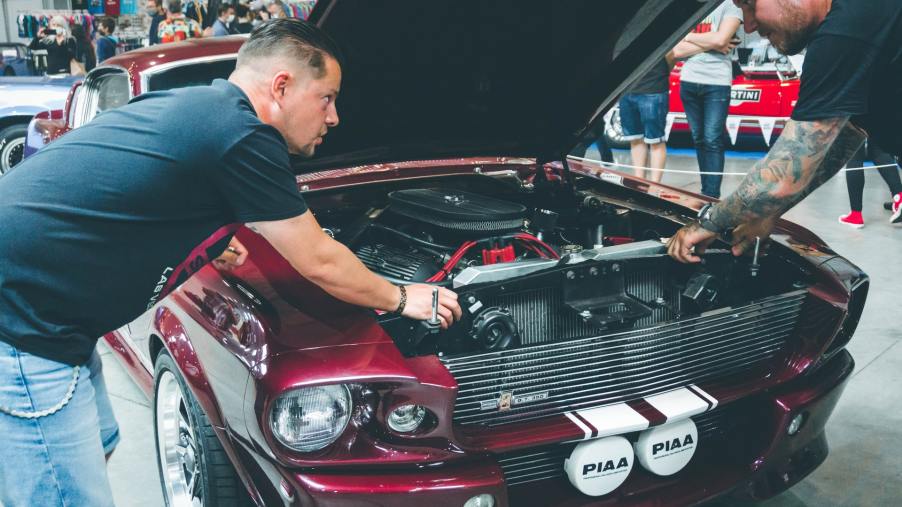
864	467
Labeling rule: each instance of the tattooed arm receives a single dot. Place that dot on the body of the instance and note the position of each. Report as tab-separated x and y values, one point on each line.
806	155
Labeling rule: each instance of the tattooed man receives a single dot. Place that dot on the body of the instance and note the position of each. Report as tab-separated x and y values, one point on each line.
850	88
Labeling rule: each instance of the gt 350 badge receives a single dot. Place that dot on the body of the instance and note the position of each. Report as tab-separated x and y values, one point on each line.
507	400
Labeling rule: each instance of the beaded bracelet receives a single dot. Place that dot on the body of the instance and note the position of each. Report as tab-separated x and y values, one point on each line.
403	302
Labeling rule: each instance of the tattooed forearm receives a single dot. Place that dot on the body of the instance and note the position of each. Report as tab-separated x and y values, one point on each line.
805	156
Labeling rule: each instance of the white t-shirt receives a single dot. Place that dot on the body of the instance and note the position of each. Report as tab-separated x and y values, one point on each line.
712	67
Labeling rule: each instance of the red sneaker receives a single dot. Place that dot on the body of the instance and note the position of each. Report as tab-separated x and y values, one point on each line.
853	219
897	209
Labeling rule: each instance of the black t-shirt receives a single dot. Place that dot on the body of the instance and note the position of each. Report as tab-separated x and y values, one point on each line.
654	81
853	67
59	55
101	223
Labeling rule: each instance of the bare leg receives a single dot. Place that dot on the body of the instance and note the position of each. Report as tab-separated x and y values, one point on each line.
639	155
657	160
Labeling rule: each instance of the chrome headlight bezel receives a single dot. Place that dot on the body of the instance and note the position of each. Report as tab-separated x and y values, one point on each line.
282	405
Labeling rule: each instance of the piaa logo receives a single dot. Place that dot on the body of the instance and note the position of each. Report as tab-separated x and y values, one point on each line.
606	466
672	445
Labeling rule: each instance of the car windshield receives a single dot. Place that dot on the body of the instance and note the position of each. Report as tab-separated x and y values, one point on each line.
196	74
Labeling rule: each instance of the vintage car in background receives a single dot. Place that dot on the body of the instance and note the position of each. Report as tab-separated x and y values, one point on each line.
588	368
761	101
20	99
16	60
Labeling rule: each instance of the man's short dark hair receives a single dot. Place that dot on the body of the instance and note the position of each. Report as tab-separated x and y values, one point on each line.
174	6
241	10
224	8
293	38
109	24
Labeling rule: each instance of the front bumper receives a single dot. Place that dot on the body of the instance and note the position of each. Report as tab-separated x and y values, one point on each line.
757	460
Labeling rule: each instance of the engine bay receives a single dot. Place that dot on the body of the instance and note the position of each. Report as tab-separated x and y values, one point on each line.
531	270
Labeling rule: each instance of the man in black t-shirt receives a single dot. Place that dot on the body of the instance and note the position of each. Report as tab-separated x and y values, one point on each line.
102	223
850	89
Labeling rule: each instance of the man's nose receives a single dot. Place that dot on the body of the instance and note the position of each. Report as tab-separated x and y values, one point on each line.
332	117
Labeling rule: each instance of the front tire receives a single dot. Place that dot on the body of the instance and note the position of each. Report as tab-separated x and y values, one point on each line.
12	146
194	469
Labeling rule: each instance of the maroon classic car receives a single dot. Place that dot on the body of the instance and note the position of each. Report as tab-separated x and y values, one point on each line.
588	369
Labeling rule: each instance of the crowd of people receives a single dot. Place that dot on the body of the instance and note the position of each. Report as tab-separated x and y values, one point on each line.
71	49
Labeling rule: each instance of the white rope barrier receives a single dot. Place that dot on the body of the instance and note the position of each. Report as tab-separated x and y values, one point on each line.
609	165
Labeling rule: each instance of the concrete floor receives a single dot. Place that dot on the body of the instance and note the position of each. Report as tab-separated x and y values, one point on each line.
863	468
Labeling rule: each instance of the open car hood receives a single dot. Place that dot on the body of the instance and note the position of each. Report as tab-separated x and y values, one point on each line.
452	78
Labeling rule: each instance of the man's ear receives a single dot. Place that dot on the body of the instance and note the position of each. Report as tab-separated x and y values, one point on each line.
279	85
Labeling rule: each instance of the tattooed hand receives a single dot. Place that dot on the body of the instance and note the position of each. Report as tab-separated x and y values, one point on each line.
689	243
745	234
806	155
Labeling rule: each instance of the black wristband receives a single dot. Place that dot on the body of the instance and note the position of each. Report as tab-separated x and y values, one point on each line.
704	220
403	301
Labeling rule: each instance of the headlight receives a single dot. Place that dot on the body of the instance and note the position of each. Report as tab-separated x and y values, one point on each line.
311	418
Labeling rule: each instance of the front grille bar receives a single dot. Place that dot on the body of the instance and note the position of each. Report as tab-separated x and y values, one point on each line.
600	370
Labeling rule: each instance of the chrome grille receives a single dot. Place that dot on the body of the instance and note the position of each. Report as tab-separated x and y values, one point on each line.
539	316
613	368
547	462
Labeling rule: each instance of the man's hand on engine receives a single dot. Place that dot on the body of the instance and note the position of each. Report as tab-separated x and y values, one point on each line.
689	243
419	304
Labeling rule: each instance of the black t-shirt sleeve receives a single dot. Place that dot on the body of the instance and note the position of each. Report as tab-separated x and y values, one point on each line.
256	180
836	78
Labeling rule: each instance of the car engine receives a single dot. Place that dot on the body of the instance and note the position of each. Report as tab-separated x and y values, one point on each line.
528	273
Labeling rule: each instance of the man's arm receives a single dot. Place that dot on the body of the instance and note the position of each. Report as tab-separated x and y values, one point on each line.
806	155
330	265
721	40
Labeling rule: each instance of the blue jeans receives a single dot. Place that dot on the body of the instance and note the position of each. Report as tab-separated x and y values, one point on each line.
53	459
706	109
644	116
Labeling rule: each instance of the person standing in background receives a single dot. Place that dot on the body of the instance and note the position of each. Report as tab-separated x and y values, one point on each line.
178	27
855	183
243	22
59	45
643	116
224	20
705	82
106	43
154	9
84	50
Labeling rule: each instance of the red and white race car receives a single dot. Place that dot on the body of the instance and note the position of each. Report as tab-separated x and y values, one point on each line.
761	101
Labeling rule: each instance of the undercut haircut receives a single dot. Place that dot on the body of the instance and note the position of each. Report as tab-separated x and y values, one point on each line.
293	39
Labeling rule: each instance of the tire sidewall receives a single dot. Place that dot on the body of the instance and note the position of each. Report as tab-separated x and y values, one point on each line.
10	137
164	363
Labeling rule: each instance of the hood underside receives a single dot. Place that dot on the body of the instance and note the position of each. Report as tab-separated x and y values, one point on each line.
448	78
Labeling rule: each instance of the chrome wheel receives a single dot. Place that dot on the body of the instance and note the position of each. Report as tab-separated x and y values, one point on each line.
11	154
177	445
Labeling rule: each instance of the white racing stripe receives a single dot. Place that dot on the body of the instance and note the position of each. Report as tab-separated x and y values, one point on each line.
613	420
711	399
679	404
618	419
575	420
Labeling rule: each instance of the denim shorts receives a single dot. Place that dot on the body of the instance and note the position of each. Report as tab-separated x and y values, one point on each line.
57	424
644	115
